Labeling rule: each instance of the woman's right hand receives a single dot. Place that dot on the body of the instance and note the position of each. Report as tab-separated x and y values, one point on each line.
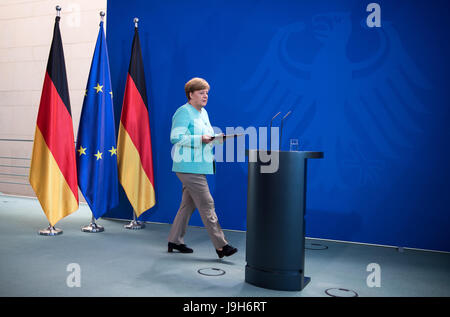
206	138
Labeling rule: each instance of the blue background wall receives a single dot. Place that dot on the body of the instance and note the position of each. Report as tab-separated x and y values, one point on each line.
375	100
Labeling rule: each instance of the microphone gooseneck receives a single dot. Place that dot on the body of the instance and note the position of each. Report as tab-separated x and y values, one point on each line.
270	129
281	126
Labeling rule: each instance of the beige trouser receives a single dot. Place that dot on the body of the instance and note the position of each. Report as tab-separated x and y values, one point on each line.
196	195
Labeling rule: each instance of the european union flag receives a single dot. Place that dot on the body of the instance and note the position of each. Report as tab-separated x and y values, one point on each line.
96	141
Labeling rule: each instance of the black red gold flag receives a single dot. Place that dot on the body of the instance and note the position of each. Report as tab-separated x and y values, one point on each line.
53	173
134	145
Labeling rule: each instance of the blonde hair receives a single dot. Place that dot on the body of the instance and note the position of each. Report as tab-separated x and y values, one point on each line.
194	84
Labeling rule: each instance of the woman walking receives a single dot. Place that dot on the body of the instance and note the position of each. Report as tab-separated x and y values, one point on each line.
193	139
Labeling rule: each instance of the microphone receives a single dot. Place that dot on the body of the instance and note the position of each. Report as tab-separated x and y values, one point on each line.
270	129
281	126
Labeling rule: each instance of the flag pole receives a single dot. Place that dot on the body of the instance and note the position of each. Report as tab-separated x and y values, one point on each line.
135	224
51	230
93	227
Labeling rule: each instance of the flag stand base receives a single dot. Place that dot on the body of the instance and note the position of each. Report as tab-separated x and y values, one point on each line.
92	227
135	225
50	231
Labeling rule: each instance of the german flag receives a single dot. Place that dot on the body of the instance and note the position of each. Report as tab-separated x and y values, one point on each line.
134	145
53	173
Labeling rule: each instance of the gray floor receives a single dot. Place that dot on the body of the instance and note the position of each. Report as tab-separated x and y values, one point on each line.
121	262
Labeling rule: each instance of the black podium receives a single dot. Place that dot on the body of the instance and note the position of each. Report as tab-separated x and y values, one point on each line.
275	246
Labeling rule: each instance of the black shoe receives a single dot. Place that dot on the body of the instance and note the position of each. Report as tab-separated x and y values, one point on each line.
180	247
226	251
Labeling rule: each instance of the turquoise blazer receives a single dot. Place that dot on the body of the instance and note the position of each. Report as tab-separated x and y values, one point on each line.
189	153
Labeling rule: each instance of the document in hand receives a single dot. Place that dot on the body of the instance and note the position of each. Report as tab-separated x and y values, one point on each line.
227	136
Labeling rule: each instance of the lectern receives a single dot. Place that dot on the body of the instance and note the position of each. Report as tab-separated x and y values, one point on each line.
275	245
